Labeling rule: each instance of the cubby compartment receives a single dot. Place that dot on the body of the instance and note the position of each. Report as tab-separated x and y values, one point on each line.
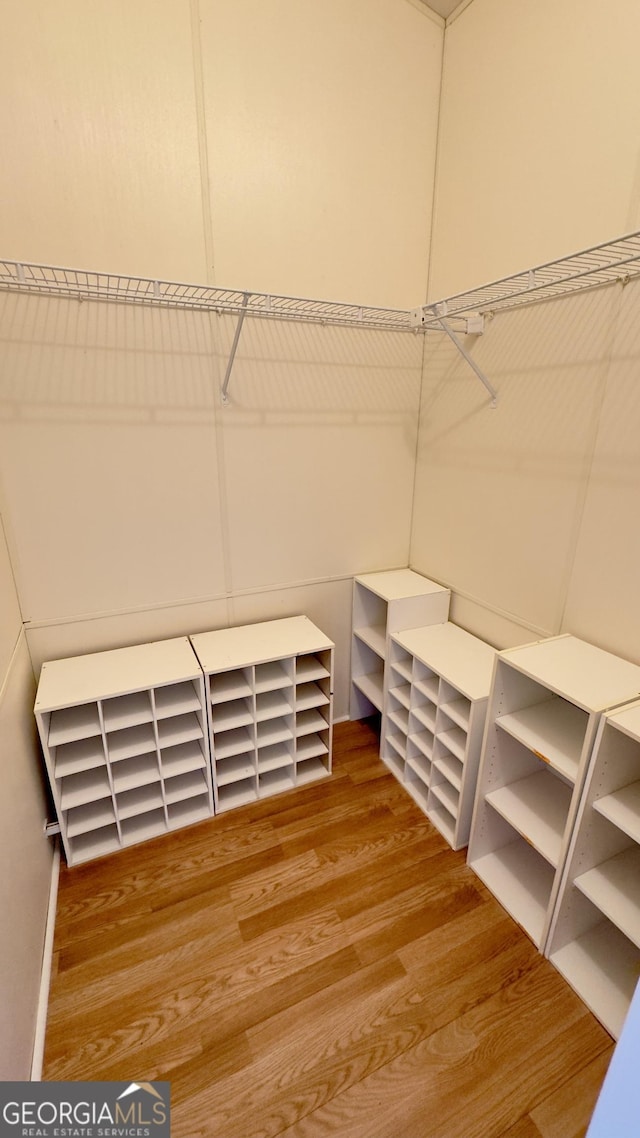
230	685
546	702
124	711
114	727
438	685
139	800
177	699
367	677
68	724
275	781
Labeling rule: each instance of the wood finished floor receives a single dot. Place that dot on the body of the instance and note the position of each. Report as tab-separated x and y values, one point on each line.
318	963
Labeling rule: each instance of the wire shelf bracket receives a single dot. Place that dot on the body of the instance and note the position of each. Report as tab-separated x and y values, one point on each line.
234	348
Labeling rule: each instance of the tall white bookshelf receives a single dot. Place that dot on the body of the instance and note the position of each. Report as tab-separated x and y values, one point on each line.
595	934
438	682
545	706
269	689
124	737
383	603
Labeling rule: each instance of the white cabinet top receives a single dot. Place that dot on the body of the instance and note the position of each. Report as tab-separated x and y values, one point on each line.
394	584
99	675
256	643
456	655
627	719
586	675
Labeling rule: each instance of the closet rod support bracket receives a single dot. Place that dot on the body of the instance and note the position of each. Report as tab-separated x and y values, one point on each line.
440	319
234	347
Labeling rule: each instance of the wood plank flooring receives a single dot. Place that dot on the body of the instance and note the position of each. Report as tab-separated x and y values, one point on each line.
318	963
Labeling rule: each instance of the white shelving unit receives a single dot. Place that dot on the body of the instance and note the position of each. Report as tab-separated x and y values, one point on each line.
124	736
383	603
545	705
438	683
595	934
270	707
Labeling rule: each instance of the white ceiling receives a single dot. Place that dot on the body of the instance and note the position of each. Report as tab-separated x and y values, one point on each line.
444	8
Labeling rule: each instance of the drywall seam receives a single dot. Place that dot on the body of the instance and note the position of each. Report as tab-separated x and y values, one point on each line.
203	152
504	614
12	662
251	591
583	494
436	166
45	977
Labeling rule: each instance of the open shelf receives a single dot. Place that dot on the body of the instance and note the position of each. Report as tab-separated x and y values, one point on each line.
272	676
622	807
127	710
554	730
71	723
537	807
232	685
176	699
603	967
71	758
614	887
523	882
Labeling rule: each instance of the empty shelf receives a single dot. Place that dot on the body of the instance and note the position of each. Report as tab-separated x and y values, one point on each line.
538	808
522	881
176	699
614	887
554	730
622	807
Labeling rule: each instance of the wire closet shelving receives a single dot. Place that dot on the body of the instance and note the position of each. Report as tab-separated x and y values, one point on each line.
616	260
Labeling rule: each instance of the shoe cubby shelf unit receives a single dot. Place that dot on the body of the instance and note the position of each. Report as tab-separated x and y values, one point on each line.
269	693
545	706
383	603
124	736
595	934
438	683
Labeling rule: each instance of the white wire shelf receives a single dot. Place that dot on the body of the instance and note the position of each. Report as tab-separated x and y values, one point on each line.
617	260
84	284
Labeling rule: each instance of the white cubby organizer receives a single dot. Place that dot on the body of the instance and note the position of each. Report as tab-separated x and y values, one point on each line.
595	934
546	702
383	603
270	707
124	736
437	688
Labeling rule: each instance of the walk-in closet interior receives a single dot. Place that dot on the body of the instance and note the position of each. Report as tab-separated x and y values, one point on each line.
185	448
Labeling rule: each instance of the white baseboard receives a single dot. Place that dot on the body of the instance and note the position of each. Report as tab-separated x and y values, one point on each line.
45	976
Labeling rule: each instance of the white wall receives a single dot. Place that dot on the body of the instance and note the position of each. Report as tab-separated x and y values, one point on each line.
266	147
25	852
141	507
539	153
221	141
286	147
526	510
